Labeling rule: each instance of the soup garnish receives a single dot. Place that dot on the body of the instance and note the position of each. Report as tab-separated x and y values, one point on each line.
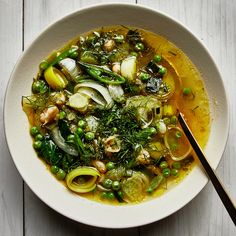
103	114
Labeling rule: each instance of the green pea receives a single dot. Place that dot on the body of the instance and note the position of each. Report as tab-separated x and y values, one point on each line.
62	115
39	86
166	172
80	131
110	195
166	120
163	165
43	65
61	174
173	120
70	138
37	145
116	185
135	54
120	194
174	172
187	91
39	137
178	134
114	130
54	169
144	76
34	131
152	130
81	123
107	183
157	58
110	165
74	55
176	165
36	87
162	70
139	47
89	136
104	194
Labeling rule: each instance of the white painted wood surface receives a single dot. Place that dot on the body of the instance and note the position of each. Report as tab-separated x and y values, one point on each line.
22	213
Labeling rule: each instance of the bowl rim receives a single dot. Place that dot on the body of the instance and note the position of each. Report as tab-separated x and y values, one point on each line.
84	9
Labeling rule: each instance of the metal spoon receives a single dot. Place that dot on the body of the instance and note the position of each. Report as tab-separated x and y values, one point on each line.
229	205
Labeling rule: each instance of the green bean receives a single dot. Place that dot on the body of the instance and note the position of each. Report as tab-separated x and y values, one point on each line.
102	75
67	53
155	183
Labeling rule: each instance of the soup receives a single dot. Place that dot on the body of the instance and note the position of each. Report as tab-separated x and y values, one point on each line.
103	114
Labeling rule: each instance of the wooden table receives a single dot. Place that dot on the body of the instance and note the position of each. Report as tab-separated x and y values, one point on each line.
22	213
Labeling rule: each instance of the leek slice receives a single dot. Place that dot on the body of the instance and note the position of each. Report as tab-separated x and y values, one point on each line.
134	187
116	92
177	143
60	142
85	187
96	97
55	78
70	68
78	101
94	85
128	68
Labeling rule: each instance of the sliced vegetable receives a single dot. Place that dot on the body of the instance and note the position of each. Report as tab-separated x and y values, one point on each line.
79	102
70	68
116	92
179	147
128	68
93	94
94	85
61	143
82	179
55	78
103	75
117	173
134	187
148	108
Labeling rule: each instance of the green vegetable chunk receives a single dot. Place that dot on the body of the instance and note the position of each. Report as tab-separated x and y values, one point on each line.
139	47
166	172
187	91
61	174
54	169
110	165
157	58
37	145
116	185
89	136
163	164
34	131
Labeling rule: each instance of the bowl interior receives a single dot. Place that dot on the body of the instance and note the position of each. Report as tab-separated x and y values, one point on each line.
34	172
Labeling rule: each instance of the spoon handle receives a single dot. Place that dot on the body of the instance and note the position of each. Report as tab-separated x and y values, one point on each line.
210	172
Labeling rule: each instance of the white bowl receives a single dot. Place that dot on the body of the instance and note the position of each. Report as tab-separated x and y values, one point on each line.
47	188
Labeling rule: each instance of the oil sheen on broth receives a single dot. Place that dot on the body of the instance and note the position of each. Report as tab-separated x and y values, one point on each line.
103	112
